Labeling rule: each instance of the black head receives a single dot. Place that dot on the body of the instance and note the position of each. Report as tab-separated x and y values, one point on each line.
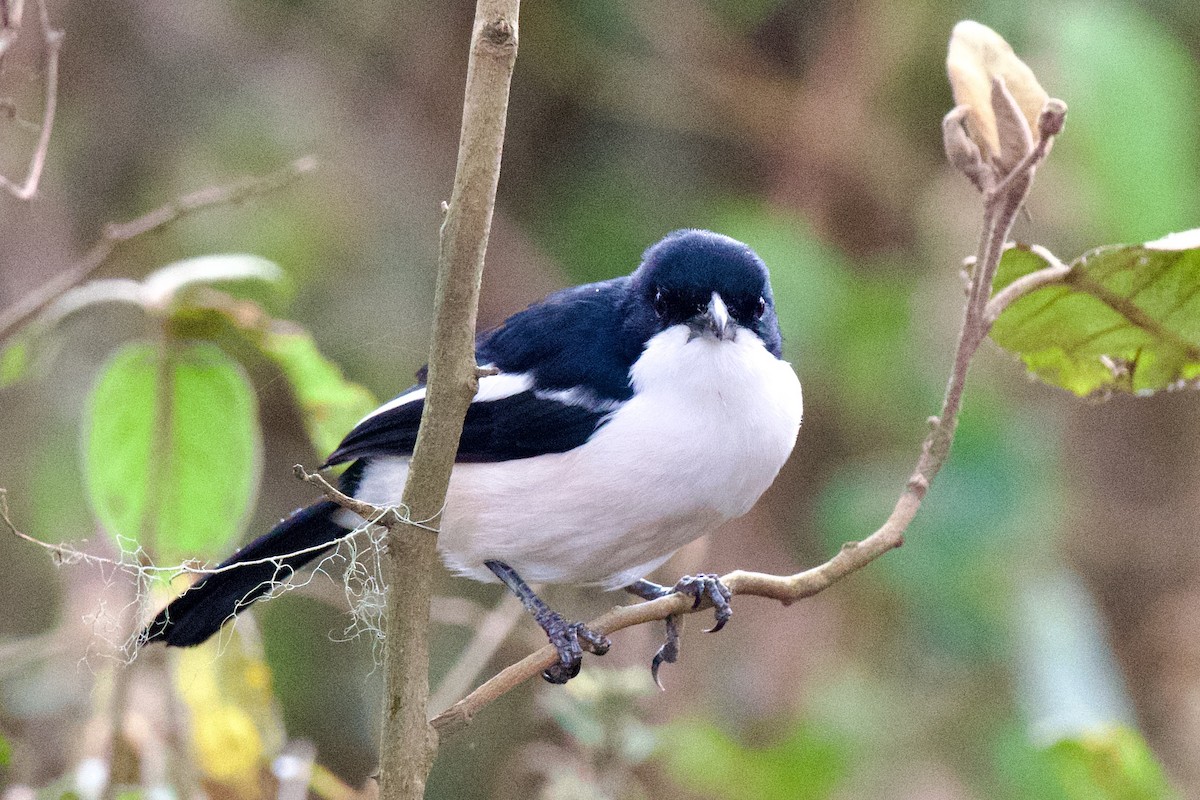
712	283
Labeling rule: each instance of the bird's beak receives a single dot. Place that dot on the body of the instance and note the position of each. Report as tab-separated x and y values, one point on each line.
714	321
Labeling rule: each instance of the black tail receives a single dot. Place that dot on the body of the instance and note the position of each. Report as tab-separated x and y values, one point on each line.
200	612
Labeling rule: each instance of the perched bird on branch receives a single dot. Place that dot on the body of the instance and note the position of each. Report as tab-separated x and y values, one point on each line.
625	419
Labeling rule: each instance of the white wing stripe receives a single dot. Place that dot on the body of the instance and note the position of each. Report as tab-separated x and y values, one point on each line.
491	387
580	397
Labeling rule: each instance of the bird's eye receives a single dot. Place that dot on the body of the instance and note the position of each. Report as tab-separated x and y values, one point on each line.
761	308
660	304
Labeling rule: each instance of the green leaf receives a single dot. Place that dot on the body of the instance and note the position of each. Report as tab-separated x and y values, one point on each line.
172	449
330	404
1111	764
161	288
158	292
1125	318
804	766
93	293
5	752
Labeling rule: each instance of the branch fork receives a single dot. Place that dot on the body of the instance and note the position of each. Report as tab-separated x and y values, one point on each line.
1004	193
390	517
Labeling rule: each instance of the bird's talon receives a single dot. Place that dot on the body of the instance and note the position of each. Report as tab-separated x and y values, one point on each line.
668	653
561	672
570	639
708	585
589	640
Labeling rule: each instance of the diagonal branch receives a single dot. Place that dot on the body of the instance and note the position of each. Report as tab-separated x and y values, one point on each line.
372	514
117	233
490	633
1001	207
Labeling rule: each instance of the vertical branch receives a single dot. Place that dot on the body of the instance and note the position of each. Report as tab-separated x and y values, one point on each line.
408	742
51	43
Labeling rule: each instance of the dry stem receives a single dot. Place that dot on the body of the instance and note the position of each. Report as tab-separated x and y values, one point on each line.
1001	207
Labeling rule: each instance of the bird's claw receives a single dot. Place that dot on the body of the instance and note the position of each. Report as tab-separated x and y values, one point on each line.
699	588
708	585
570	639
669	652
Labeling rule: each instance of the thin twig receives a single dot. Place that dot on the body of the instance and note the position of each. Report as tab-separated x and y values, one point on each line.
1047	276
1000	211
52	43
1050	124
115	234
387	516
372	515
68	554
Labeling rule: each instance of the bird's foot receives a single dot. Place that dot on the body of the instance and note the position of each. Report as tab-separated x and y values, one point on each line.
698	587
570	639
708	585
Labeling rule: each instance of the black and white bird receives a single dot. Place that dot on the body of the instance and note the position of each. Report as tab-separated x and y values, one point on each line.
627	418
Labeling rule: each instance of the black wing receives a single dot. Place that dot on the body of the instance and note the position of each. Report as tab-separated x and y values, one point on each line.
519	426
579	338
576	348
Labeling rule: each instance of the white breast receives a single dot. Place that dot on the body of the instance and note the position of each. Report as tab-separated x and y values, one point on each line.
709	426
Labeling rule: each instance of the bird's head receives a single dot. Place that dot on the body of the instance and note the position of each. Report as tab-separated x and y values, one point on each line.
715	285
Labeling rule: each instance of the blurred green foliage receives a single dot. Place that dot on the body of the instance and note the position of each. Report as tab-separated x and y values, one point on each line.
805	765
996	479
1113	764
835	321
14	361
600	713
1133	90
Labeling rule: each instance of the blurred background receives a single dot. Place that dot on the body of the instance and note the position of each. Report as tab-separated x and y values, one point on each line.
1050	585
